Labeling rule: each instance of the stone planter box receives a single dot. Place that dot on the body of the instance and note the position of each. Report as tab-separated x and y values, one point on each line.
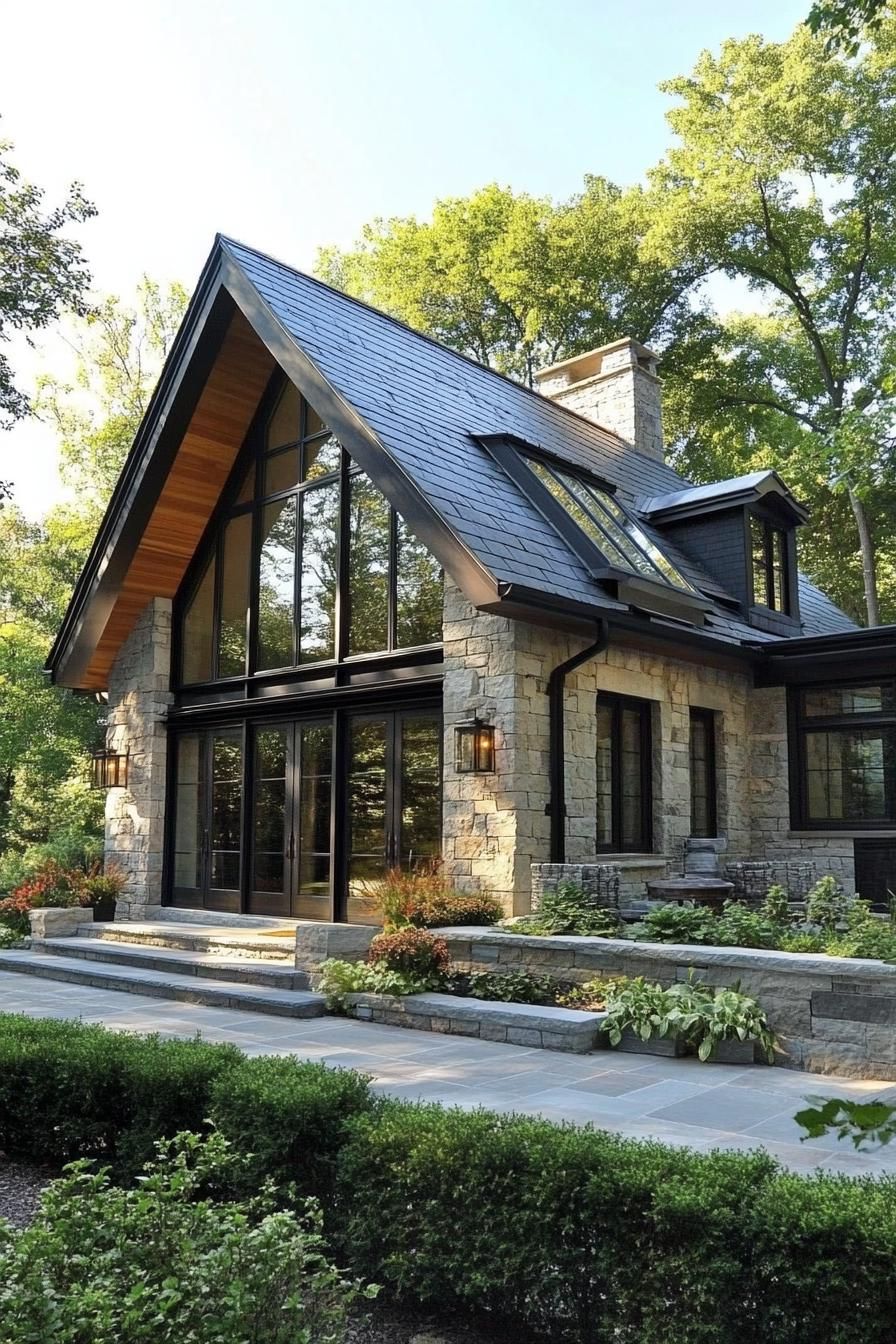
734	1052
511	1023
830	1014
666	1046
58	922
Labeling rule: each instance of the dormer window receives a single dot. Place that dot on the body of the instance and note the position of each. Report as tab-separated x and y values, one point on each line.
768	550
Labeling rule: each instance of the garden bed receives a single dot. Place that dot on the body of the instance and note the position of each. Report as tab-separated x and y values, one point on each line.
513	1023
830	1014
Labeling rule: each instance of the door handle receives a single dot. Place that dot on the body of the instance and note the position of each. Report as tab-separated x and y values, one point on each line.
291	850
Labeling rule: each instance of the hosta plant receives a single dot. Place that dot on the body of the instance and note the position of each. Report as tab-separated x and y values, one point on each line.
337	979
567	908
686	923
638	1006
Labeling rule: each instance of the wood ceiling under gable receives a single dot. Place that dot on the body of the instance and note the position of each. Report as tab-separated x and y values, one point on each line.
191	490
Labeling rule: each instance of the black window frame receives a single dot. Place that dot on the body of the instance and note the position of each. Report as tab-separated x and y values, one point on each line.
252	457
644	708
800	724
763	594
707	718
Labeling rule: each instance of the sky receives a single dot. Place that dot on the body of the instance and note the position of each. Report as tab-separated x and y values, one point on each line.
289	123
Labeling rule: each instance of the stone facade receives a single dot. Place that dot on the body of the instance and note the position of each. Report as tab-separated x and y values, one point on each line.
496	827
139	696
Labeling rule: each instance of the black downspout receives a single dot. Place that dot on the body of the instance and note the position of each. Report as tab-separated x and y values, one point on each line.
556	808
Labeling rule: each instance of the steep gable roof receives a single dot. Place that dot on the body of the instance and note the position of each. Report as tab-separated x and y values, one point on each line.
408	409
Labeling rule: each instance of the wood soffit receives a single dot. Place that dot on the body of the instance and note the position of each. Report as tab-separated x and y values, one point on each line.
206	455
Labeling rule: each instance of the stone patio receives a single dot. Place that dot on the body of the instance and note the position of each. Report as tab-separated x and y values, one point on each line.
680	1102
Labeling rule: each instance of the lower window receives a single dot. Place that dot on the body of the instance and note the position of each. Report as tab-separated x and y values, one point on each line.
704	821
624	774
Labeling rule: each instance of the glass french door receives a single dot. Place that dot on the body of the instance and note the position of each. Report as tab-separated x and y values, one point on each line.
393	802
208	819
291	820
310	820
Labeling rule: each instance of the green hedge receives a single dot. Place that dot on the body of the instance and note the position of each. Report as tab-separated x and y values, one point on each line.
576	1234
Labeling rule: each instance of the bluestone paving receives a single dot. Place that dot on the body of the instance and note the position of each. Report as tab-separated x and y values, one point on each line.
677	1102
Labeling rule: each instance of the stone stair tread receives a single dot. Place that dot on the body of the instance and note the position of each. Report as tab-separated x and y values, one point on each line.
175	956
193	937
132	979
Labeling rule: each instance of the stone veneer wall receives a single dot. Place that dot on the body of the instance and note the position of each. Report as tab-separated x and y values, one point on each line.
830	1014
769	801
495	826
139	696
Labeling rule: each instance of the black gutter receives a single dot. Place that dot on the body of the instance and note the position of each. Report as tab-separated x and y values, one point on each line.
556	808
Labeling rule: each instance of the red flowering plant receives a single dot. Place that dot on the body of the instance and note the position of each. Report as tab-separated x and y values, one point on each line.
413	952
426	898
50	885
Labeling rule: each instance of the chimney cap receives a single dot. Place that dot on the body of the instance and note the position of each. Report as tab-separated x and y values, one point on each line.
605	360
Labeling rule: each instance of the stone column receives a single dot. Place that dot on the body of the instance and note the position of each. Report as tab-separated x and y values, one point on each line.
139	696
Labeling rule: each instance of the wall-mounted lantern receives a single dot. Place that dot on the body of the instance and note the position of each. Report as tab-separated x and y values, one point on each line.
108	770
474	744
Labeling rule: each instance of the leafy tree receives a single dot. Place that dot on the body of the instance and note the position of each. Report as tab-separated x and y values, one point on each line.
843	22
120	350
42	269
784	175
518	281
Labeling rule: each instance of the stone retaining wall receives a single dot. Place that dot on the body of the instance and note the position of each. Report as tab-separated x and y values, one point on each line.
512	1023
830	1014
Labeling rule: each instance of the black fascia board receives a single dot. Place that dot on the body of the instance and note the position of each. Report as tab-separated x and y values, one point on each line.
362	444
149	460
815	657
223	287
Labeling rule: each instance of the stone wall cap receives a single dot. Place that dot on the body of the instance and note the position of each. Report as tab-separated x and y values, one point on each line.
691	954
500	1014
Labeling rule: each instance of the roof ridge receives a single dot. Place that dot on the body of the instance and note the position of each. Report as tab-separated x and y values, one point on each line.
225	239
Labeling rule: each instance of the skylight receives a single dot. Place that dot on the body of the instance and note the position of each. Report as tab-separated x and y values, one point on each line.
606	523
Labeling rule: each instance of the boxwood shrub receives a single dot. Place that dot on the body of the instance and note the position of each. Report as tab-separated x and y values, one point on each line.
567	1232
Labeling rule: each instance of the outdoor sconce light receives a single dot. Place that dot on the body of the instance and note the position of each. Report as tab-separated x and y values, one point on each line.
108	770
474	748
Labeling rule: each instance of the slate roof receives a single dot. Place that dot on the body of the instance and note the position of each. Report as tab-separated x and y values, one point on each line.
425	403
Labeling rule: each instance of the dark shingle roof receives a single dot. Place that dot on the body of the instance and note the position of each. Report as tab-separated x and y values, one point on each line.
425	403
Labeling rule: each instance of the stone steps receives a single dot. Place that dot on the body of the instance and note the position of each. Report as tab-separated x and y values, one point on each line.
187	987
186	937
212	965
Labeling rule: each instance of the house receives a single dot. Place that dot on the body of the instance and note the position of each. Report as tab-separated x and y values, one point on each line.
359	601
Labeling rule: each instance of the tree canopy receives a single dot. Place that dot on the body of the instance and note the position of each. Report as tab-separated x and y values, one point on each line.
782	177
43	273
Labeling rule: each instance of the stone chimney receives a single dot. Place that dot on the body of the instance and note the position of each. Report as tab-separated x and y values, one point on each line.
616	387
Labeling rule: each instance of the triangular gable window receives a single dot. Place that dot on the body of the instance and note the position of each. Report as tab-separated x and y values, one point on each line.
306	564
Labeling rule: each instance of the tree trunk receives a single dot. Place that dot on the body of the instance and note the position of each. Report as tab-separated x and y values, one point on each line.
869	558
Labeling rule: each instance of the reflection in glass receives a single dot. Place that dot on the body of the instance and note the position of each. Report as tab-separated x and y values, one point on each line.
631	789
418	588
198	629
317	602
703	774
369	526
366	806
313	853
421	793
283	426
247	489
320	457
234	597
851	774
187	815
226	798
276	584
604	776
281	472
269	810
832	701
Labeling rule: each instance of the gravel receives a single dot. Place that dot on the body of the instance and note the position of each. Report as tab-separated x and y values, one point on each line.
20	1187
